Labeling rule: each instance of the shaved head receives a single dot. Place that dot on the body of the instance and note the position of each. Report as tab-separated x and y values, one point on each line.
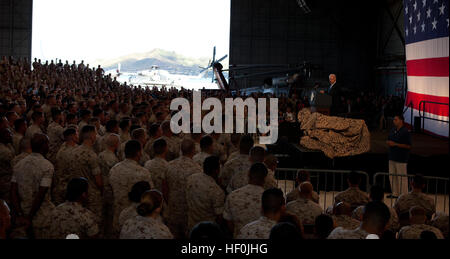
306	188
342	208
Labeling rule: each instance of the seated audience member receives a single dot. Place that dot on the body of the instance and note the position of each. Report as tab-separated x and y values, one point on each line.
204	197
415	198
323	226
353	195
147	224
5	219
303	207
441	221
375	220
243	205
71	217
271	163
135	198
302	176
206	231
273	206
417	220
377	194
342	214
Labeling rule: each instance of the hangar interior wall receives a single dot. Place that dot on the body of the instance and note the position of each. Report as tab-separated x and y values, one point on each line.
340	36
16	28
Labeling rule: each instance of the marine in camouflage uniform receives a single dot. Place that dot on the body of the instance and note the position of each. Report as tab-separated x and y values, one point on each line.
305	209
178	172
239	164
18	158
72	218
122	177
259	229
353	196
62	173
393	221
158	169
205	199
295	194
84	163
243	206
406	201
55	134
414	231
346	222
33	172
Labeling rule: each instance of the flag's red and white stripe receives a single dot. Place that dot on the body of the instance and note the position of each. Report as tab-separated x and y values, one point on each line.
428	80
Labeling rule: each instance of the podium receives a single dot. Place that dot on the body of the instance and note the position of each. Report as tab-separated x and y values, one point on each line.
322	104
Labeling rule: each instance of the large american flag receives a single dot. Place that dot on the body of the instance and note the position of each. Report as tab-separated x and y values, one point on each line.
427	61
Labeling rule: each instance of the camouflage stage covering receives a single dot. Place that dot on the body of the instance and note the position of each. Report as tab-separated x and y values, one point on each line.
335	136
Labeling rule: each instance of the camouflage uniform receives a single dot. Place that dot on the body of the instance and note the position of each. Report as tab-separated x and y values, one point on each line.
407	201
148	148
305	210
128	213
145	228
72	218
7	153
102	141
414	231
219	151
200	158
341	233
158	170
33	172
204	197
353	196
173	146
346	222
393	221
33	129
18	158
62	173
259	229
124	137
240	179
122	177
107	159
17	137
177	173
239	164
441	222
243	206
295	194
84	163
55	134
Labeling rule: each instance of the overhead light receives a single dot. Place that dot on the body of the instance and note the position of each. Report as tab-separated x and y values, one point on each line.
304	6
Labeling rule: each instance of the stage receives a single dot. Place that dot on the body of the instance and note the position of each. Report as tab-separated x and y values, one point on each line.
429	156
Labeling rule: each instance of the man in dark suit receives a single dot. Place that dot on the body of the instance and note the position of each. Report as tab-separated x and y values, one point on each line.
334	91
